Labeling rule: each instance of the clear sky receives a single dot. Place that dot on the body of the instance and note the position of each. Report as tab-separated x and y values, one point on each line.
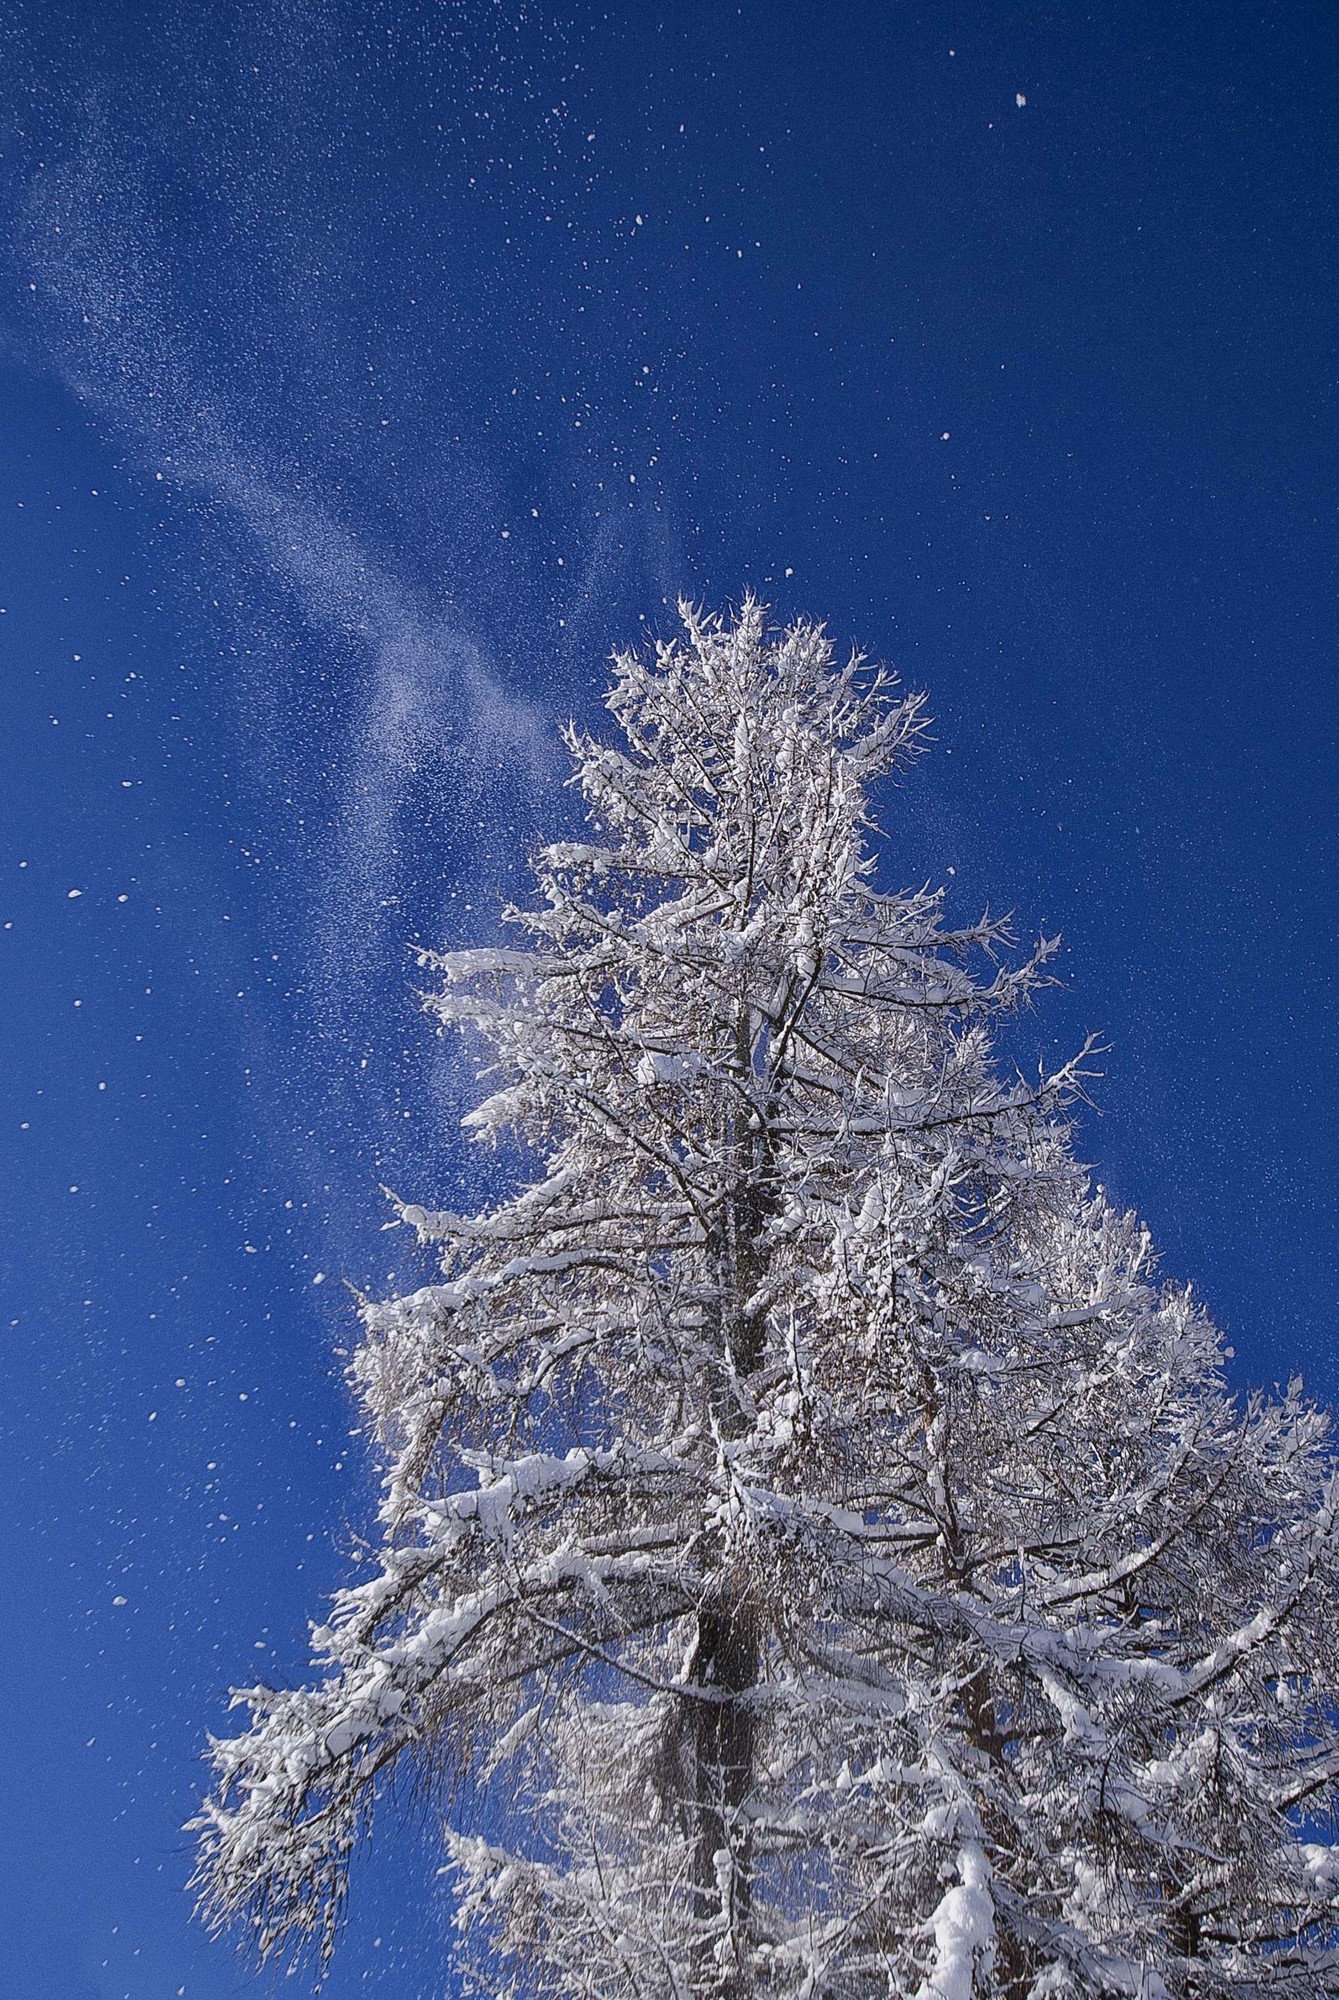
366	372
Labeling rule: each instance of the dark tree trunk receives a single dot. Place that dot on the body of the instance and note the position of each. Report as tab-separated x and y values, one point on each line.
721	1735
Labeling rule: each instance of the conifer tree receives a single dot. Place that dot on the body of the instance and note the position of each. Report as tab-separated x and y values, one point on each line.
839	1564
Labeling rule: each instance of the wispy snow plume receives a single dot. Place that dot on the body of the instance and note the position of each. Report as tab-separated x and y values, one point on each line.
414	751
430	716
112	322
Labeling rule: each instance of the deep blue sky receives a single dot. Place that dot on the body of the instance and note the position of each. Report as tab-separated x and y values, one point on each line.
366	372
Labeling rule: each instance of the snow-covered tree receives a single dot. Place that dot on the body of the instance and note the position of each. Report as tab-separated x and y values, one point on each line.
837	1563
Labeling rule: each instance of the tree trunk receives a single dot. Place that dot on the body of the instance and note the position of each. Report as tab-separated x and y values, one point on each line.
721	1740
